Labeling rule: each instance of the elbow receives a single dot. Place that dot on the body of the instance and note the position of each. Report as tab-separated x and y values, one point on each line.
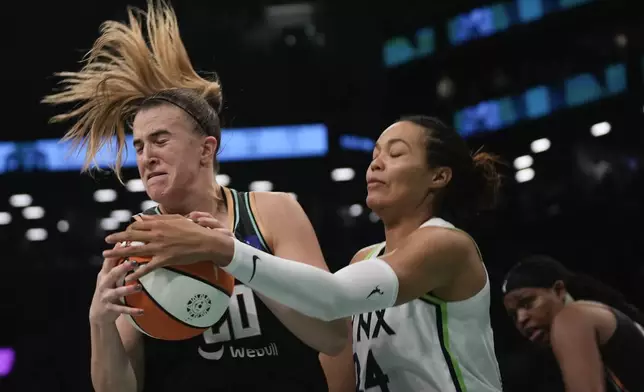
104	385
337	343
105	381
337	338
335	346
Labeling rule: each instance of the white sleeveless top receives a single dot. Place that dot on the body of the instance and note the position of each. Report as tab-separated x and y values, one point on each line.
427	344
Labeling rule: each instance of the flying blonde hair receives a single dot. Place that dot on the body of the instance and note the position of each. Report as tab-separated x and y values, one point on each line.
121	71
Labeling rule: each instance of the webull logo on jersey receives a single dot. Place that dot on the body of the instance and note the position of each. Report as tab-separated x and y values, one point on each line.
239	323
240	352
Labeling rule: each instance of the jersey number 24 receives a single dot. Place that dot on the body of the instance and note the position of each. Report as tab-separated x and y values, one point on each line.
374	376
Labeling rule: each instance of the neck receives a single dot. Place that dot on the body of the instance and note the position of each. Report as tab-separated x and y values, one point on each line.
398	228
209	199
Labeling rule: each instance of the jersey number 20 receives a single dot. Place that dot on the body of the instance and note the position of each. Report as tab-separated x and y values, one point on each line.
374	377
240	322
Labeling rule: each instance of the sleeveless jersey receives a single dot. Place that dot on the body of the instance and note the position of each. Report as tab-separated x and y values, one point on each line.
249	349
427	344
623	355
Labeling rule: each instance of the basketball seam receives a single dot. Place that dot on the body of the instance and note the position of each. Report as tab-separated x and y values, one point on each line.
133	319
195	277
166	312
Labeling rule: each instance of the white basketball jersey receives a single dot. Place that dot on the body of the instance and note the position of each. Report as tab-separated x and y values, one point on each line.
427	344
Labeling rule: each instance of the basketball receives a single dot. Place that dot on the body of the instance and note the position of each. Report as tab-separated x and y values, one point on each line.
179	302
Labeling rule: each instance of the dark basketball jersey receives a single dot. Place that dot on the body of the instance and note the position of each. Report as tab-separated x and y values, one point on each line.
623	355
249	349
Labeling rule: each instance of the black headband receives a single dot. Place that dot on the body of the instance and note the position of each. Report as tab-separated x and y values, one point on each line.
535	271
203	126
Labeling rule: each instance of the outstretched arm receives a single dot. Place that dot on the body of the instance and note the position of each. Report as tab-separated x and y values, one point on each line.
340	369
294	238
430	258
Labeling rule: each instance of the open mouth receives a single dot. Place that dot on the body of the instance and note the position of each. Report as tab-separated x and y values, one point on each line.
535	334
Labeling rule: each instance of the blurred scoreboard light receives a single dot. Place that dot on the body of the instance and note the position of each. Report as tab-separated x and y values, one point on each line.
489	20
283	142
541	101
259	143
356	143
401	49
478	23
472	25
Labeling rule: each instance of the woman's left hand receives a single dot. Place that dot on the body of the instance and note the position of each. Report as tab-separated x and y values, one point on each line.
207	220
171	240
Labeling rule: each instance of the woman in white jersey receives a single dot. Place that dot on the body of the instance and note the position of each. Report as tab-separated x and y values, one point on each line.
420	300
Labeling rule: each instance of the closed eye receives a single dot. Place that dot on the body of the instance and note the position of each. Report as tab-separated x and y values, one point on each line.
526	303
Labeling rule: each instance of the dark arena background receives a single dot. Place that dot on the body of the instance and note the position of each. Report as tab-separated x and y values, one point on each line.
553	86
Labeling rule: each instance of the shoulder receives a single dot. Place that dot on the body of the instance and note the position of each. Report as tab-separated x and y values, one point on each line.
576	325
440	240
599	316
271	208
271	200
280	214
573	317
364	252
585	311
574	313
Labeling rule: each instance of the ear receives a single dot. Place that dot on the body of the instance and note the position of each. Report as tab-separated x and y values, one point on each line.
560	289
209	149
440	177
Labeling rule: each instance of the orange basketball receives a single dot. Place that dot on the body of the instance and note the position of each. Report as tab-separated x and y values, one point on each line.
180	302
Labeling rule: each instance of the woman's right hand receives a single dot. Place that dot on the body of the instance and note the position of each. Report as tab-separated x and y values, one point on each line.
106	305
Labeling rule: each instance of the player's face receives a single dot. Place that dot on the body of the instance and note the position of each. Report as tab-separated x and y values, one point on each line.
532	310
168	152
398	174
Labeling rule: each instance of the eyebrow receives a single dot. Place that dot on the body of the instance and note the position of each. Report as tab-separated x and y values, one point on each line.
154	135
393	141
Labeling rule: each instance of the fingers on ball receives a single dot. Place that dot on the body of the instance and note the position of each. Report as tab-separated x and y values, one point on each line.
125	309
123	291
109	279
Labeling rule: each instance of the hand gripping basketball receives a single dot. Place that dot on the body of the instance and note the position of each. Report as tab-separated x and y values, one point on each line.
207	220
106	304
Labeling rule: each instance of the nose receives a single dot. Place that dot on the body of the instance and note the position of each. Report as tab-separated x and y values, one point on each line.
376	164
522	317
148	154
148	157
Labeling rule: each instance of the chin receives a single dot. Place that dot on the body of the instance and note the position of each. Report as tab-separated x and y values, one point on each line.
156	194
164	195
375	203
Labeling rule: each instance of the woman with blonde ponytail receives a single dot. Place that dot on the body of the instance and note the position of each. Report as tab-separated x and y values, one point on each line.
138	76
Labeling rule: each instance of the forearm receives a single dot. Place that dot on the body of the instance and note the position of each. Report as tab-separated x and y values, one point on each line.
111	368
328	337
580	383
339	369
358	288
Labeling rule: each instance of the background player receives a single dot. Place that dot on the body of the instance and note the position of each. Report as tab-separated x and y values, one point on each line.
421	298
596	336
176	136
